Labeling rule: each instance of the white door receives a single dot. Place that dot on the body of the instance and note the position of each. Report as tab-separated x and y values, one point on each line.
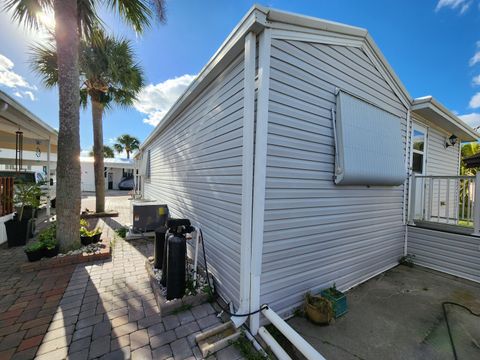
418	164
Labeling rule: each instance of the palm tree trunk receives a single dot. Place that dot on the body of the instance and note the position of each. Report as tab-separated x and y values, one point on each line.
98	164
68	163
128	153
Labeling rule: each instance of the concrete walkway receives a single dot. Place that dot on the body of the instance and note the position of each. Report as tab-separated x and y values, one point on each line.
398	315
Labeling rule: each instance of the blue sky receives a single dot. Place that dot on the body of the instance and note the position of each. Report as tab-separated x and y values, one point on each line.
433	46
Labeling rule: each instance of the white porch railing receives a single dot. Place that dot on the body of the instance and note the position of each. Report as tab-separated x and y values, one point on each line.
446	199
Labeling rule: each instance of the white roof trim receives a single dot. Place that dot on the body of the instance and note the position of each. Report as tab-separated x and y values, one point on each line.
35	119
430	103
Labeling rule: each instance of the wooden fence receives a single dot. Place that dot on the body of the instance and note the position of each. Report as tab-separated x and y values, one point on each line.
6	195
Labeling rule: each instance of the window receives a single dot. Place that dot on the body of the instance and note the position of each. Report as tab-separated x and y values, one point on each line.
148	165
418	149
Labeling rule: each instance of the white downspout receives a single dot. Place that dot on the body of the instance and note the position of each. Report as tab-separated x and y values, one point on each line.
260	175
406	191
247	176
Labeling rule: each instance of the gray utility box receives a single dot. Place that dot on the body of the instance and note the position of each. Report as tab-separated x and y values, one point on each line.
148	215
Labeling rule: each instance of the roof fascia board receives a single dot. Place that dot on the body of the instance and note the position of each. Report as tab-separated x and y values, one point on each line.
280	31
19	107
312	22
382	65
434	105
255	21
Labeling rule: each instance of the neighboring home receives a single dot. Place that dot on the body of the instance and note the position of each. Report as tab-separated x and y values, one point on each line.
293	151
116	170
26	143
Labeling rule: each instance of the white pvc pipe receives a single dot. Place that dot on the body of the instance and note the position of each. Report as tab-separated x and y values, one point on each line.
273	344
255	343
300	343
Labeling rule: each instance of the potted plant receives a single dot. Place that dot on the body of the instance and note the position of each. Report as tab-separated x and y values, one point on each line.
34	251
50	244
318	309
337	298
21	227
88	237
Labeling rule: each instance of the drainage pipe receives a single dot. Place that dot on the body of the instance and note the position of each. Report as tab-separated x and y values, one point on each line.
299	342
247	177
255	343
273	344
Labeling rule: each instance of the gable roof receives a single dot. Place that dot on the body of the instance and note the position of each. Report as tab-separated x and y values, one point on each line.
257	19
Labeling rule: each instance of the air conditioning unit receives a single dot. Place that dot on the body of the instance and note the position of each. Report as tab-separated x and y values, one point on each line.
148	215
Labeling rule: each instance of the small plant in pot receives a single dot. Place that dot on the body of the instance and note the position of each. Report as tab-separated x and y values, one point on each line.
338	300
48	238
88	237
318	309
46	246
34	251
21	227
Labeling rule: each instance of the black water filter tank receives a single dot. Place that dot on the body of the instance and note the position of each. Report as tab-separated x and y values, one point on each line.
176	252
159	246
163	279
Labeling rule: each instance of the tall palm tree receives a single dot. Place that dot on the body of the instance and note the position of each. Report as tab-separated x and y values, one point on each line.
127	143
83	13
109	75
107	152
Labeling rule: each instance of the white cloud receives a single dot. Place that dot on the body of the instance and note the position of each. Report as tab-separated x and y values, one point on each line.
475	101
475	59
476	80
156	100
11	79
462	5
472	119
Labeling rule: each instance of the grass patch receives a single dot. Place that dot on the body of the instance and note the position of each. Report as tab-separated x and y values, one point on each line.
247	350
122	232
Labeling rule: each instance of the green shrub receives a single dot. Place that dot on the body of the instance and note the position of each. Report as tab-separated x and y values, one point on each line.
122	232
34	246
48	237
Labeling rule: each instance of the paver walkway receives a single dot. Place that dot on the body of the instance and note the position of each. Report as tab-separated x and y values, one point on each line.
102	310
27	304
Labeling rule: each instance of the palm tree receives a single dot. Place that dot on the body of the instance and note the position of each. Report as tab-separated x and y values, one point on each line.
83	13
109	75
107	152
127	143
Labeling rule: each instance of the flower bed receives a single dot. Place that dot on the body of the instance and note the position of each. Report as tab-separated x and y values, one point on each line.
92	252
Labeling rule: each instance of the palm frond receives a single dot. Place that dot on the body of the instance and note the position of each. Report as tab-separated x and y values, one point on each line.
43	61
26	11
138	13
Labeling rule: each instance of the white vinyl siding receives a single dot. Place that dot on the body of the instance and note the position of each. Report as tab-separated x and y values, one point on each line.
317	233
454	254
196	169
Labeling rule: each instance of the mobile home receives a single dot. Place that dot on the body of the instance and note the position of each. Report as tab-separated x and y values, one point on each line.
292	150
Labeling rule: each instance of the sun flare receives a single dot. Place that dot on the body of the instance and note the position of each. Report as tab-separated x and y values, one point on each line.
47	19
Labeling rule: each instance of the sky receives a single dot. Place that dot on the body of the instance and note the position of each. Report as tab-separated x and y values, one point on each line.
432	45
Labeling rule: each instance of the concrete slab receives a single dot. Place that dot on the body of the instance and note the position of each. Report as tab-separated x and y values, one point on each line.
398	315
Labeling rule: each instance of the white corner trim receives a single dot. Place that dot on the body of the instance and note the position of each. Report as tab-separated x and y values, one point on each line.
247	175
260	174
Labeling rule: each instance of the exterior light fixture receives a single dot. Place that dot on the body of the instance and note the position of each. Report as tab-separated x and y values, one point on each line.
451	141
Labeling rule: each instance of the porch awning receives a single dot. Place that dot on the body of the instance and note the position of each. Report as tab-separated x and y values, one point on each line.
432	110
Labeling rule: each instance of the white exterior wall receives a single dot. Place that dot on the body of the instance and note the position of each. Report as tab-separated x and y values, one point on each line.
454	254
317	233
196	169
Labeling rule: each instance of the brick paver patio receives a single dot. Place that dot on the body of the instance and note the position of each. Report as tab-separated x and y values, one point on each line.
102	310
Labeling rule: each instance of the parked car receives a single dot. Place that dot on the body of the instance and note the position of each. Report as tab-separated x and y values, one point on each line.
34	177
126	183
